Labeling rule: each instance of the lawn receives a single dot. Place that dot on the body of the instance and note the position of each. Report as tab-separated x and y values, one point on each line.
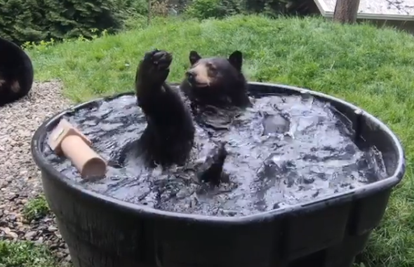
371	68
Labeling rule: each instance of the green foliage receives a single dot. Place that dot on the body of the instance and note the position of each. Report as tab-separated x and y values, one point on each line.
36	208
36	20
274	7
24	254
17	16
127	9
267	6
203	9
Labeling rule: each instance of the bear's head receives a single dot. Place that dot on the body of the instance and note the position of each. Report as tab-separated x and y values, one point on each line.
216	81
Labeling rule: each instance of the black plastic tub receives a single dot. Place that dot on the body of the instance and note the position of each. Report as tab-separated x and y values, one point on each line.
15	66
104	232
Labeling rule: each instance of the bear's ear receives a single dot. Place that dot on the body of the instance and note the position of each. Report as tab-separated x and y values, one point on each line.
194	57
236	59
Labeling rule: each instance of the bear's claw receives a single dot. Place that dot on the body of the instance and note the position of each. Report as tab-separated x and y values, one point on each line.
159	59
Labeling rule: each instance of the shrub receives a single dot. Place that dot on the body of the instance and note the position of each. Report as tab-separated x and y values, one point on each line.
204	9
277	7
131	8
36	20
17	17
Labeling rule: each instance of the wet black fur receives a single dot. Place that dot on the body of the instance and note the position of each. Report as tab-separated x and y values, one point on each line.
15	65
169	135
230	87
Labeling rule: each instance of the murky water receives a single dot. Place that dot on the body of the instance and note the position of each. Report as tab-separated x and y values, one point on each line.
283	151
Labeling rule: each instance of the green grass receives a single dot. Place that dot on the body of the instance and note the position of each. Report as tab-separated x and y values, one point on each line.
24	254
371	68
36	208
27	253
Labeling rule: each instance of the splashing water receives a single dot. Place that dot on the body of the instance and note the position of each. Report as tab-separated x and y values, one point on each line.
283	151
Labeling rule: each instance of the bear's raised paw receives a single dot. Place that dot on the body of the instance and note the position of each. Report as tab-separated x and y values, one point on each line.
158	60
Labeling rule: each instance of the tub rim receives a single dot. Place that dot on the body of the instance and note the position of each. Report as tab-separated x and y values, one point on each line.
305	207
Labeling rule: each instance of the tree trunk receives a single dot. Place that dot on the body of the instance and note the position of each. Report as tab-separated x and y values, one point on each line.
346	11
149	13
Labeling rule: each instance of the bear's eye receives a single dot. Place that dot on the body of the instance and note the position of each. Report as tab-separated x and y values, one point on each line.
212	69
212	72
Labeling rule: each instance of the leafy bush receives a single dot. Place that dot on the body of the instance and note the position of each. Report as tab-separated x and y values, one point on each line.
203	9
36	20
131	8
276	7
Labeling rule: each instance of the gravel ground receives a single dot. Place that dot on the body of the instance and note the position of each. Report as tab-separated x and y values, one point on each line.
20	177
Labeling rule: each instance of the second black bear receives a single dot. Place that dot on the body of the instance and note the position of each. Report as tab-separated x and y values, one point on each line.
216	81
16	72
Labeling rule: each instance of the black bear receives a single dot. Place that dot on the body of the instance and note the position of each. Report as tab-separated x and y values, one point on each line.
214	86
16	73
216	81
169	135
